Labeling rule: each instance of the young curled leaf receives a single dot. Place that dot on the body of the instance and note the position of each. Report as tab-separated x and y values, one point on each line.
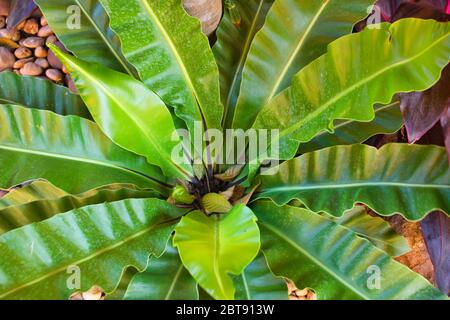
180	194
230	173
215	203
214	247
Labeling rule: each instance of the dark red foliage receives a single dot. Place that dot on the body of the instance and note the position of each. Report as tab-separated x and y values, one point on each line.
436	232
20	10
392	10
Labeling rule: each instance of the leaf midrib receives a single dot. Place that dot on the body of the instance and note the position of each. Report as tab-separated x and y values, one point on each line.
216	256
315	260
294	54
247	290
71	158
83	260
173	284
105	39
174	51
354	87
137	121
242	58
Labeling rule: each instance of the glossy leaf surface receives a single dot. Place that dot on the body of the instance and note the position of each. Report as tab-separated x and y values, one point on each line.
411	180
38	144
295	33
172	56
257	282
317	253
352	76
42	94
164	279
114	100
232	46
208	247
388	119
374	229
98	241
83	27
41	200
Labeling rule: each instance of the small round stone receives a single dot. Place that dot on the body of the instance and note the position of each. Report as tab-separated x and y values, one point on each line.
33	42
4	8
31	26
45	32
44	21
31	69
7	59
21	25
54	75
22	53
9	33
20	63
41	52
16	36
42	62
51	39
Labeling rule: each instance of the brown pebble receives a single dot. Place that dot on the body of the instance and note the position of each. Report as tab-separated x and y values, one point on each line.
10	34
4	7
54	74
42	62
31	26
33	42
44	21
31	69
16	36
41	52
45	32
22	53
51	39
21	25
20	63
7	59
2	22
5	33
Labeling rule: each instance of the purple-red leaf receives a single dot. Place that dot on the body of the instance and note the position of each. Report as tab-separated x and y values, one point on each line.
422	10
20	10
422	110
436	232
391	9
445	123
